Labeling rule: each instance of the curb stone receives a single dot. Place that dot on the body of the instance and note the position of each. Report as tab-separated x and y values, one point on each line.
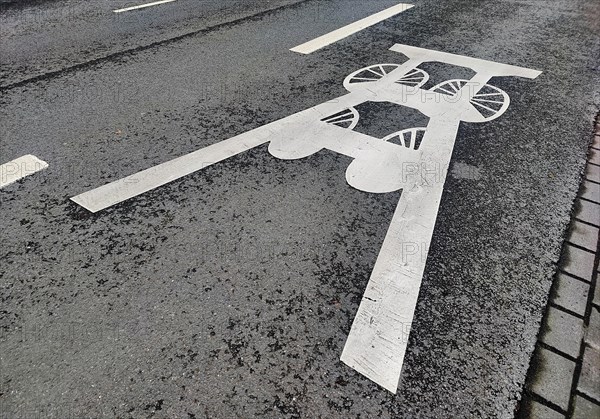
563	380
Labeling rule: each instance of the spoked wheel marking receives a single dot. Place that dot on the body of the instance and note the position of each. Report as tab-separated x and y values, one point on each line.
415	77
490	101
348	118
409	138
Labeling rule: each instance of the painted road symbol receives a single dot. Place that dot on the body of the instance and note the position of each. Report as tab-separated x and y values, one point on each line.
377	340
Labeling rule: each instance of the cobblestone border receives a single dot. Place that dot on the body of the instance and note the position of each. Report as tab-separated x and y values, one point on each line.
563	380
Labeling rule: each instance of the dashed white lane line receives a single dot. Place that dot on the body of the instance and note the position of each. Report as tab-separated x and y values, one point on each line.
141	6
341	33
19	168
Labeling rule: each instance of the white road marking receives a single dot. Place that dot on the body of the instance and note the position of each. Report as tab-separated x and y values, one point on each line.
141	6
378	339
19	168
146	180
343	32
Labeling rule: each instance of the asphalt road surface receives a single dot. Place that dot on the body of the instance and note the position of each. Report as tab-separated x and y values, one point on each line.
231	292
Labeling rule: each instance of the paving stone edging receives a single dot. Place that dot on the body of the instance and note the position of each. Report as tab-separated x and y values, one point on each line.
563	380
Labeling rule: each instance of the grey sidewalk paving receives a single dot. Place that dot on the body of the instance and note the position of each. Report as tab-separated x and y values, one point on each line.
564	375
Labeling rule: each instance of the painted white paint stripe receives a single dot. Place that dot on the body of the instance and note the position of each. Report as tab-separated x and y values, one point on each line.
19	168
120	190
378	339
142	6
341	33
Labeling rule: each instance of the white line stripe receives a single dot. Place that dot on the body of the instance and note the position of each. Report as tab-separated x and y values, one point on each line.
120	190
341	33
19	168
378	338
141	6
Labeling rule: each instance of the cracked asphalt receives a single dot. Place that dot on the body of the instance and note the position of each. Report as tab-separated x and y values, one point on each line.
230	292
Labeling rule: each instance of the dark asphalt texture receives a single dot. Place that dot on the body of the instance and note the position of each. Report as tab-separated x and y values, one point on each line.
230	292
40	38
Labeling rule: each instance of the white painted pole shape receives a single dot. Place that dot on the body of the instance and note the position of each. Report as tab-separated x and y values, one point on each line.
379	335
378	338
